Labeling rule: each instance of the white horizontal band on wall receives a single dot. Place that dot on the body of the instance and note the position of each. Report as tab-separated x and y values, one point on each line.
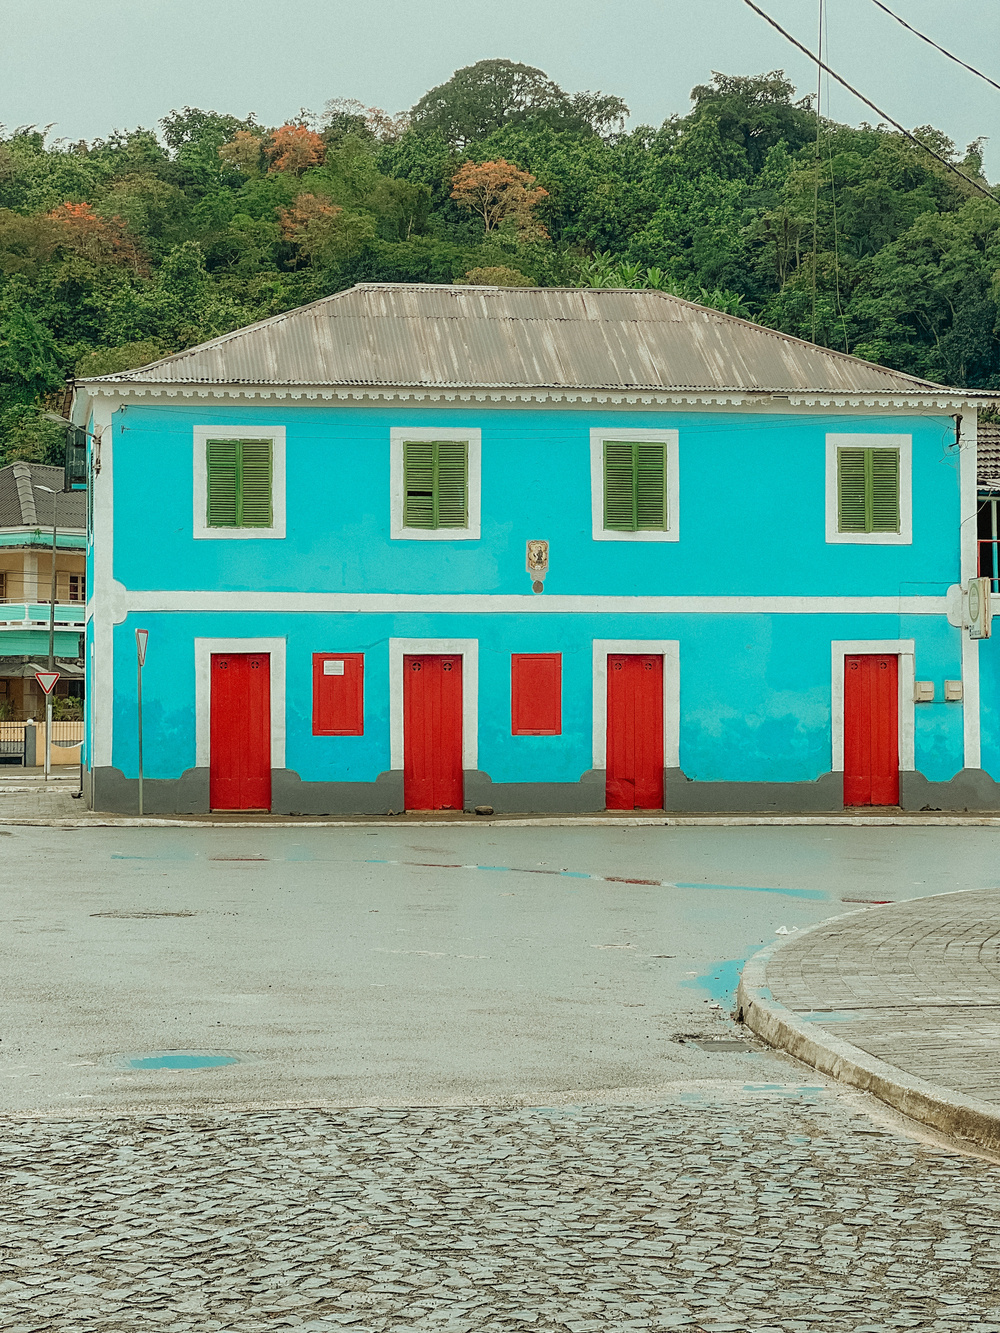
126	600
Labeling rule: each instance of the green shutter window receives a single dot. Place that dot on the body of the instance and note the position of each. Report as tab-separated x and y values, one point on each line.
635	486
435	484
868	490
239	483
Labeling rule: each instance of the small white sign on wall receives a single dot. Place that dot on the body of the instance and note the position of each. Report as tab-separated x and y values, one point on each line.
331	668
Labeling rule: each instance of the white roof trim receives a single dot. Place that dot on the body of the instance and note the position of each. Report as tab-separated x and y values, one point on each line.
944	400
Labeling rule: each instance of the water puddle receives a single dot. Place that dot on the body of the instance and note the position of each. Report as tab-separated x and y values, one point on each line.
720	981
177	1060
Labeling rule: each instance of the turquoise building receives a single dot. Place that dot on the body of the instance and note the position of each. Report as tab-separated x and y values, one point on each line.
424	547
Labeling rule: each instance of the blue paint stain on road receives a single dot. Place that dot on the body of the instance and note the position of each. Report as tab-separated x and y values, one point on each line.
720	980
181	1060
815	894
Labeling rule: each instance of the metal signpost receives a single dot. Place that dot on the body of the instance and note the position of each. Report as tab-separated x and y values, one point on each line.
141	638
47	683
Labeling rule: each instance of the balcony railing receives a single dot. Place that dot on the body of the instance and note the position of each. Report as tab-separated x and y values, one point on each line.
989	561
31	615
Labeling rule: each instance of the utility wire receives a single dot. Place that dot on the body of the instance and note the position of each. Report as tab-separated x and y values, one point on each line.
867	101
930	42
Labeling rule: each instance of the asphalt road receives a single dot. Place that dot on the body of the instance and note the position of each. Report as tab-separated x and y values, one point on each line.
591	1174
411	965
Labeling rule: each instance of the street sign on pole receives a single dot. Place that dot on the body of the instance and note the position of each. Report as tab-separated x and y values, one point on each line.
47	683
141	639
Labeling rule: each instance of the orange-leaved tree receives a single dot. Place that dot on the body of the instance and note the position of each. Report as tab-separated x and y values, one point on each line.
498	192
322	231
244	152
295	148
106	240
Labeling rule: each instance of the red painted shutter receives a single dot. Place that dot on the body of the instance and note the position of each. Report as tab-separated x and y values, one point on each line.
871	729
432	733
240	732
536	694
338	694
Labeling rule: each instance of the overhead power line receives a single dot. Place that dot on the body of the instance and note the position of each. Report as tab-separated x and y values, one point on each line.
930	42
869	103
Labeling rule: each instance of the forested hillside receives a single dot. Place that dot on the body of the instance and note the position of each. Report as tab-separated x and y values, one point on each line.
115	252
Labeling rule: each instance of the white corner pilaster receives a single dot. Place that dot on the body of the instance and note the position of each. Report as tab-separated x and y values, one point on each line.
968	489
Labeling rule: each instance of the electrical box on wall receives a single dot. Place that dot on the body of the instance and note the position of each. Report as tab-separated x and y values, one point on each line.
338	694
979	608
923	691
953	690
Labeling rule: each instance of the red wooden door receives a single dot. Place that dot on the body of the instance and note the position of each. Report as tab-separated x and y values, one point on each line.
635	732
240	765
432	733
871	730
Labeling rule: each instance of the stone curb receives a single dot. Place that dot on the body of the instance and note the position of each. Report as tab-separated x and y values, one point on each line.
931	1104
541	821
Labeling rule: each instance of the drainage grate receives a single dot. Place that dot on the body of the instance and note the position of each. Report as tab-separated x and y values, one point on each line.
723	1044
178	1060
707	1042
138	916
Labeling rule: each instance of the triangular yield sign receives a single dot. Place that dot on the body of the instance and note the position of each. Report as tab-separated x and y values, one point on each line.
47	680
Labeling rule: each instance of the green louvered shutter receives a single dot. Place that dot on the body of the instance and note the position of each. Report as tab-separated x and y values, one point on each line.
868	490
635	486
884	490
435	484
651	487
255	484
239	483
619	487
452	484
852	508
223	465
418	484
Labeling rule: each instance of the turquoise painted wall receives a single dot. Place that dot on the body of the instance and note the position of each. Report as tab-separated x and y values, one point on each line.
751	506
755	690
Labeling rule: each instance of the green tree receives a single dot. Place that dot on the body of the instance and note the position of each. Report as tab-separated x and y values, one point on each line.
482	97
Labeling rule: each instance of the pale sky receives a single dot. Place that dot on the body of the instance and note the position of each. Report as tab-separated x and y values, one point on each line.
91	66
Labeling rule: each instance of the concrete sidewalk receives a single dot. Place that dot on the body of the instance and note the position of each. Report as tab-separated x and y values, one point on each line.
901	1000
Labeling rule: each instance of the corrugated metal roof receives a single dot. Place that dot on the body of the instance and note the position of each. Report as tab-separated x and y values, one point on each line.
410	336
988	449
23	505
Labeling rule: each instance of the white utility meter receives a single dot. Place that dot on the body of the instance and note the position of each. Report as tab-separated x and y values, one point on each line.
979	608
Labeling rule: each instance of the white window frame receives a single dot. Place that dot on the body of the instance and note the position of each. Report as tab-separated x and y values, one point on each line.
472	436
202	434
468	651
203	650
904	649
670	651
904	443
667	437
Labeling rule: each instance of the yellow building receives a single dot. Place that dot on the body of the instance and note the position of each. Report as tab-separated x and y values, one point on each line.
31	497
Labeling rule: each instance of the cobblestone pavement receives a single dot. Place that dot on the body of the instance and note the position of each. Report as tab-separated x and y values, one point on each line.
722	1208
916	984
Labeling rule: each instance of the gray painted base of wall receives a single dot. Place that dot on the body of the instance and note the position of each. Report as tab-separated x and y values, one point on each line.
108	790
971	789
685	796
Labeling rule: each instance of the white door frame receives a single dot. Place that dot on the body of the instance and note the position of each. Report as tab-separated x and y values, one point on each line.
203	650
904	650
468	651
670	651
